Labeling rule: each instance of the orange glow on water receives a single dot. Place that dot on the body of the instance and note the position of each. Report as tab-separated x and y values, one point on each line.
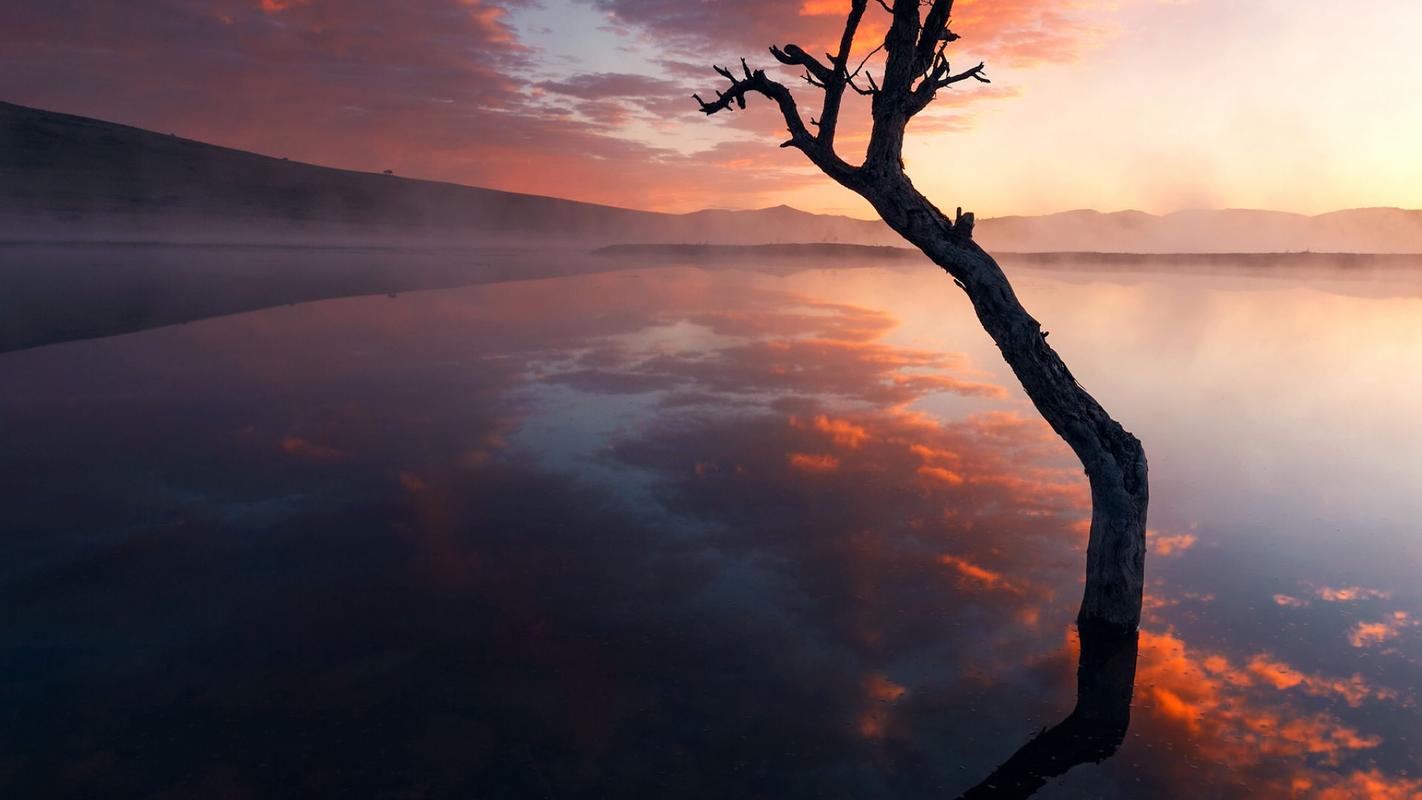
986	578
880	693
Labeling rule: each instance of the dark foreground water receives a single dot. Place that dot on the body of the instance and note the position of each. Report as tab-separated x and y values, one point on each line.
672	532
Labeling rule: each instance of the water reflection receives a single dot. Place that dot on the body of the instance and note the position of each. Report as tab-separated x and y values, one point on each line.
1105	680
666	532
59	293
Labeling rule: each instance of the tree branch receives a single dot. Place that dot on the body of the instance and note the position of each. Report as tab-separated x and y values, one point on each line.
793	56
756	82
940	78
934	35
915	69
976	73
834	88
870	92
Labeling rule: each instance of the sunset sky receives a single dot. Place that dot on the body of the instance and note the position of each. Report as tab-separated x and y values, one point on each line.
1110	104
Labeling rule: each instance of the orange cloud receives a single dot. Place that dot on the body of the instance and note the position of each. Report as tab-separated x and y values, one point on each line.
1370	634
1169	545
1026	32
808	462
841	431
935	454
813	8
1352	593
1371	784
1353	690
1212	700
1019	32
973	573
943	475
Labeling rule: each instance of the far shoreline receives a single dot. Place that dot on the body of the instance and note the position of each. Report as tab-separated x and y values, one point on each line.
832	251
713	252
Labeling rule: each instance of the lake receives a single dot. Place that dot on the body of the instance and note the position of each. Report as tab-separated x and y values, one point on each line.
700	531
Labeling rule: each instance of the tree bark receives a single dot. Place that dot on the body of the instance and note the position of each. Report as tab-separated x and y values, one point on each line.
1112	457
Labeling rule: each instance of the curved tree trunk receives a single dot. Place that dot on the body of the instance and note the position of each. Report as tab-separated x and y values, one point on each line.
914	70
1113	458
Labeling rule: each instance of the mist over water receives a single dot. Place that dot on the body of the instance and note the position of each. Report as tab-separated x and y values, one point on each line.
706	531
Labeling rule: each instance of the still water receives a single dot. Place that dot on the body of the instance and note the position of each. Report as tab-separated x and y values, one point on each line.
681	532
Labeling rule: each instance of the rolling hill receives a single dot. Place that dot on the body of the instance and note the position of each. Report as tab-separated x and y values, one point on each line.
64	177
70	178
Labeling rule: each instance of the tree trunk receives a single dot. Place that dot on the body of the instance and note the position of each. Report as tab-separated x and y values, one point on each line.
1114	460
915	69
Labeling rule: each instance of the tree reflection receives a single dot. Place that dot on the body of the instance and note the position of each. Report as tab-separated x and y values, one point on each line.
1105	680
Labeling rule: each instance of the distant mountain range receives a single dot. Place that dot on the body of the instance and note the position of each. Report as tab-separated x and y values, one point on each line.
65	177
1358	230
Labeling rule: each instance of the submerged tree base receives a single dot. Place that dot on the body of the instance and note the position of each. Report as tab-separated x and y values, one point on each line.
1105	684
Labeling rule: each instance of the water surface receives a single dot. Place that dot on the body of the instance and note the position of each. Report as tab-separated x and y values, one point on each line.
684	532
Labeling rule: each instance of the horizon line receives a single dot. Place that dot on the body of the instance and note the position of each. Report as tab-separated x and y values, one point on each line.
842	215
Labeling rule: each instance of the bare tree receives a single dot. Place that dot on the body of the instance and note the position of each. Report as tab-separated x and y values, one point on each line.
915	68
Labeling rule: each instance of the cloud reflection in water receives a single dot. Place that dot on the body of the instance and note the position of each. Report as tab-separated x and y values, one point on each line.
675	534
